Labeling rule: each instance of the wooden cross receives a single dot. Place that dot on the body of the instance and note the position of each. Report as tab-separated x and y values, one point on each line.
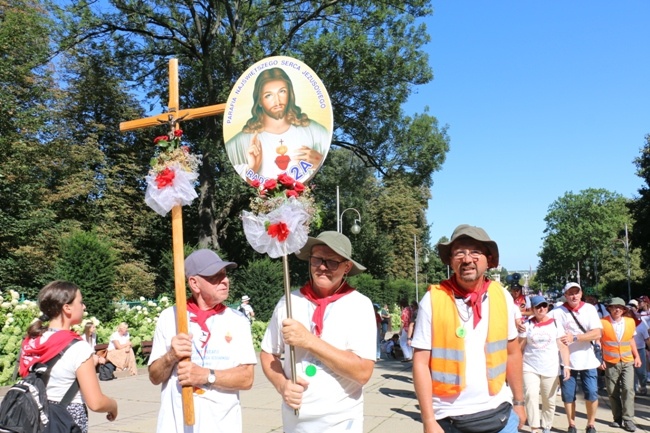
173	117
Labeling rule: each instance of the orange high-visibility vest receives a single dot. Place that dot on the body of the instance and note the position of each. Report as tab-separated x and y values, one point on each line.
615	351
447	362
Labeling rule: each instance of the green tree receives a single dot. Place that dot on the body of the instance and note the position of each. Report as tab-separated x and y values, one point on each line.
579	227
368	52
640	207
26	93
399	213
263	281
88	261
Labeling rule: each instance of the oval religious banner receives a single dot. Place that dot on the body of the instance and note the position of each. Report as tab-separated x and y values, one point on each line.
278	120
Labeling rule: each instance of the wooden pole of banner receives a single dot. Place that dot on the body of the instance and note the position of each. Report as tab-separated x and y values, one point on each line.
173	117
287	297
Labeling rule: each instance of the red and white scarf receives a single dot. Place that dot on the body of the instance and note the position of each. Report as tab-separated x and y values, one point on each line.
322	303
39	349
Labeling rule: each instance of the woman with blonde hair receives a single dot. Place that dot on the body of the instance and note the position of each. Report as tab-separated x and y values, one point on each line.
62	307
120	353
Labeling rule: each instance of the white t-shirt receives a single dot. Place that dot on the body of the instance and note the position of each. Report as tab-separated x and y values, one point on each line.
122	339
230	344
641	335
331	403
247	309
582	355
541	354
601	310
64	372
475	397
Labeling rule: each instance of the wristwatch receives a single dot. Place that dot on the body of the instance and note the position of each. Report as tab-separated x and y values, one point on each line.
575	338
212	378
518	403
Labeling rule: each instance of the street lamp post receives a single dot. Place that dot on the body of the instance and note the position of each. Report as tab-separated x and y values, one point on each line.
425	260
627	261
356	228
626	244
416	256
575	272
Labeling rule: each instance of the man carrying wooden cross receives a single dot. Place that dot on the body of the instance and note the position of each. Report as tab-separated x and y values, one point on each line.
219	347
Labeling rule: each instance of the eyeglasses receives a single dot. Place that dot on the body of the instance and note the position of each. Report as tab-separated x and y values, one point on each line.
540	306
473	254
331	265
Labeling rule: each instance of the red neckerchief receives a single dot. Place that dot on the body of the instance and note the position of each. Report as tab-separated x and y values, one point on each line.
474	299
545	323
575	310
36	350
201	316
322	303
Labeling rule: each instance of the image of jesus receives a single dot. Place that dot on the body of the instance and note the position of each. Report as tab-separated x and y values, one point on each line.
279	137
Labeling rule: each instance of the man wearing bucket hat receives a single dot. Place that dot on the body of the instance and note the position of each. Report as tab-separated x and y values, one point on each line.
219	346
582	325
461	367
620	357
246	308
333	331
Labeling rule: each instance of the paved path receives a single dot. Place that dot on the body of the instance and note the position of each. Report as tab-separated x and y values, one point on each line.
390	405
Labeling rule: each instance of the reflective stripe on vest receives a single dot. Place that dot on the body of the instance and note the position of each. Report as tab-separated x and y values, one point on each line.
615	351
448	364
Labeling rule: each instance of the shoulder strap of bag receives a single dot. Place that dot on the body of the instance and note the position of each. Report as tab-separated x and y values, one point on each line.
576	319
74	388
579	325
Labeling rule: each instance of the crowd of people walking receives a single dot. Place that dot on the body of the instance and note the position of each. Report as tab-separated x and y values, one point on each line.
485	359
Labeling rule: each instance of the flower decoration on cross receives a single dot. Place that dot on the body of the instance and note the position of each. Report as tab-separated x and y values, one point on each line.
174	170
281	213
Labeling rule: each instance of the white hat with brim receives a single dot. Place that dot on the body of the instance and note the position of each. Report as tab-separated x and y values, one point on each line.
571	285
337	242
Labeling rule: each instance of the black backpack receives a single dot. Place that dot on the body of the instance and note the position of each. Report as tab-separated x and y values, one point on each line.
106	371
25	408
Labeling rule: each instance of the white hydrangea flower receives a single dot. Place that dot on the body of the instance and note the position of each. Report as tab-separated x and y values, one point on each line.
14	294
6	305
142	299
164	299
14	302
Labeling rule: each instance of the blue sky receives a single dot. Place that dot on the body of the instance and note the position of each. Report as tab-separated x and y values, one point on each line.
541	98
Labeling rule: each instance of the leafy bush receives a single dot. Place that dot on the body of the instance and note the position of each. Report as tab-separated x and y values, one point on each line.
370	287
263	281
141	316
258	329
89	262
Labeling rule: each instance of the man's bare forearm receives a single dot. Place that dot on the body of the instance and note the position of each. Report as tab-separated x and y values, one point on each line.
161	368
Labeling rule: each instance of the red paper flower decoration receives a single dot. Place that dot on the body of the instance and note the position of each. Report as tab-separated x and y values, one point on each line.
165	178
278	230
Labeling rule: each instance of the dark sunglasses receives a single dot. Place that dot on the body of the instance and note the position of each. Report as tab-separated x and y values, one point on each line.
331	265
542	305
